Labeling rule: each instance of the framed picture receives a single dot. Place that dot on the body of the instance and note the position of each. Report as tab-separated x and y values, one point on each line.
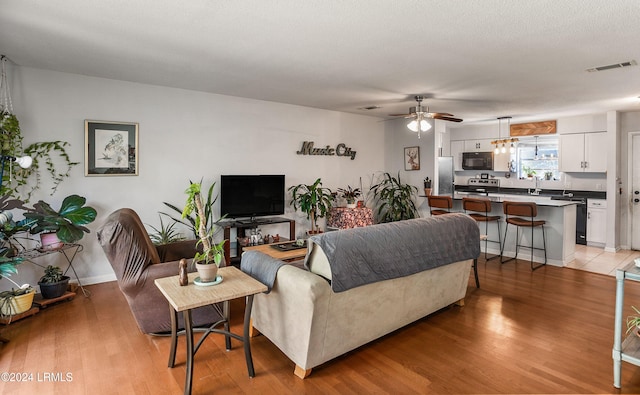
412	158
111	148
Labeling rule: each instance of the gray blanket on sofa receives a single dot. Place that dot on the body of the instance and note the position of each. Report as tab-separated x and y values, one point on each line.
364	255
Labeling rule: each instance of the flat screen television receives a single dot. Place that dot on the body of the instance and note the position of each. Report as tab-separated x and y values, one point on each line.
251	195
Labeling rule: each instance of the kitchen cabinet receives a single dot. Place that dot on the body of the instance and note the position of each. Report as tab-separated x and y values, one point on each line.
457	148
501	161
596	222
480	145
583	153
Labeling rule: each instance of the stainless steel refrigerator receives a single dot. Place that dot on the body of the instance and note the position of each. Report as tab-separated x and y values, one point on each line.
445	175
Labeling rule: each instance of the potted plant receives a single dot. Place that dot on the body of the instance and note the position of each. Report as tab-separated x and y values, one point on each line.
351	195
165	234
313	200
19	299
528	171
52	154
54	283
394	199
66	224
212	255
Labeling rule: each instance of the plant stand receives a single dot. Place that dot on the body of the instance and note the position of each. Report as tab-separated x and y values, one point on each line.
28	313
44	303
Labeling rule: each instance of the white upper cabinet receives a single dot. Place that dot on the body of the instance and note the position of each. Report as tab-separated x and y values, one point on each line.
480	145
583	153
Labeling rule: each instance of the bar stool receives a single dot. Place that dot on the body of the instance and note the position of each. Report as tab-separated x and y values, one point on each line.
440	204
514	212
479	210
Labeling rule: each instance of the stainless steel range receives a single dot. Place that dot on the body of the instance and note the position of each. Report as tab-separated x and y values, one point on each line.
481	186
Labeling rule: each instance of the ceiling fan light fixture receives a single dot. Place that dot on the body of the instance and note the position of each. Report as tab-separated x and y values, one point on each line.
413	126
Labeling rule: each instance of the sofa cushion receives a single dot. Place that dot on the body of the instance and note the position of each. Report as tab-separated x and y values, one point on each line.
318	262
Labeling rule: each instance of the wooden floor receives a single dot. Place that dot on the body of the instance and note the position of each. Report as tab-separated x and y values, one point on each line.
550	331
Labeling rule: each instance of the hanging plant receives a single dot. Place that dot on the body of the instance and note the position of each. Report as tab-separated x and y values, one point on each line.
49	157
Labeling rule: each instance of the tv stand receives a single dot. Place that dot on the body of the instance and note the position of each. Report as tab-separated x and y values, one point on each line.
242	225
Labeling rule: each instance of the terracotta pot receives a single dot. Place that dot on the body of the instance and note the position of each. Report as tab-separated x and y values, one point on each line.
207	273
18	304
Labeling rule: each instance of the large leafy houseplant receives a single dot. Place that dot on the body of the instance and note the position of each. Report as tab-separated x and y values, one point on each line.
313	200
68	222
211	224
17	299
395	200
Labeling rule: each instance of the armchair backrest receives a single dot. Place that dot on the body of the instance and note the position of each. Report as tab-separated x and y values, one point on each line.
127	245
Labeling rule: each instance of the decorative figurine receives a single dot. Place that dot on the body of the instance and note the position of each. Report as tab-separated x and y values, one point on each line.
184	279
276	238
266	239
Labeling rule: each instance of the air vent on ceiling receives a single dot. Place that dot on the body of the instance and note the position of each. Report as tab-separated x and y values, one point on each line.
369	108
613	66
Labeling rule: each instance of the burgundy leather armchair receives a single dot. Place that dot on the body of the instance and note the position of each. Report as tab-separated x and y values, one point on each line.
137	263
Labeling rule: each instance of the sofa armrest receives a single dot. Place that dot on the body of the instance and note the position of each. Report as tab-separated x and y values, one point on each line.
294	314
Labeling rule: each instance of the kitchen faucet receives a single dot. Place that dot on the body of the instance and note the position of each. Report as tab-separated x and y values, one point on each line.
537	190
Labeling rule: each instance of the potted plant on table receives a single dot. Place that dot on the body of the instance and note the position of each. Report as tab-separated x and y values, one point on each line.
350	195
54	283
313	200
212	255
63	226
394	199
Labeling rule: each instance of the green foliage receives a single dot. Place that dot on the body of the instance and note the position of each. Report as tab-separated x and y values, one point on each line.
165	234
633	321
190	220
211	253
47	154
52	274
395	200
68	222
313	200
349	194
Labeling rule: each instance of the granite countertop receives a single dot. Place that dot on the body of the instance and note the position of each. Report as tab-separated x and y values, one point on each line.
501	197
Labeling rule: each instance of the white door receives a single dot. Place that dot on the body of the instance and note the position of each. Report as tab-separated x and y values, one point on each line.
635	193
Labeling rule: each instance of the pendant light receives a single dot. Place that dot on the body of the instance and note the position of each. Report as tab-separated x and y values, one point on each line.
500	143
535	156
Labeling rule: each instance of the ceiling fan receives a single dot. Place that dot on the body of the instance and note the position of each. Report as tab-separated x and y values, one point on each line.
419	116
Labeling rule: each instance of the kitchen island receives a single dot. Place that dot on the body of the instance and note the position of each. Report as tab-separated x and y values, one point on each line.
560	227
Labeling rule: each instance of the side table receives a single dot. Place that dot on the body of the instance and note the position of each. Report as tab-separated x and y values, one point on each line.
629	349
235	284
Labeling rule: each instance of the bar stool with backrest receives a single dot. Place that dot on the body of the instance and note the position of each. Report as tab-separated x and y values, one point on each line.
479	210
439	204
522	215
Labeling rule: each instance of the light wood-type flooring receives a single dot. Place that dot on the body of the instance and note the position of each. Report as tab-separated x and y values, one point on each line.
548	331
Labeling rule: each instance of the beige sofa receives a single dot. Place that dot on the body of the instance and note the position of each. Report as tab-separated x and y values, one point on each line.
312	324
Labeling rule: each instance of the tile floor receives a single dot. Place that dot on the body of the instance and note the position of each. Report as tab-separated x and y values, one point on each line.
596	260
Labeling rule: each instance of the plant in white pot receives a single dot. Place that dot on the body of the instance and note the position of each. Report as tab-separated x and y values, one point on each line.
212	255
350	195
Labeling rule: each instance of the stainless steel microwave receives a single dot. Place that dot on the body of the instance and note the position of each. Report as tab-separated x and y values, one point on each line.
477	160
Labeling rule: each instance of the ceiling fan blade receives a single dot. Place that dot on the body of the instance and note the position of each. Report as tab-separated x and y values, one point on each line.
402	115
440	114
447	118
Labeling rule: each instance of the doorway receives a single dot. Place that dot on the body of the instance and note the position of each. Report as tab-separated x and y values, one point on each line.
635	191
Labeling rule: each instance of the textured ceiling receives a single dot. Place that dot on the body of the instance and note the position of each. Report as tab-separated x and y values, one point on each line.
477	59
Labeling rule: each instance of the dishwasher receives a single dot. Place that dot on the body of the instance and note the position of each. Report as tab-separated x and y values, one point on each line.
581	216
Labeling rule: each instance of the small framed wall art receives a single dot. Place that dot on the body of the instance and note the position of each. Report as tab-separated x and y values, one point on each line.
111	148
412	158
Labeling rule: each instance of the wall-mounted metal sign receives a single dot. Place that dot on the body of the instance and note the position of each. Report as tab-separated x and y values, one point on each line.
340	150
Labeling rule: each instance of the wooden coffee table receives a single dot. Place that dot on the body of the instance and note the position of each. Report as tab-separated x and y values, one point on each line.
274	252
235	284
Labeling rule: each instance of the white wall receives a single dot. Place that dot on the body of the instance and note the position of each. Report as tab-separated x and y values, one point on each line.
184	135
